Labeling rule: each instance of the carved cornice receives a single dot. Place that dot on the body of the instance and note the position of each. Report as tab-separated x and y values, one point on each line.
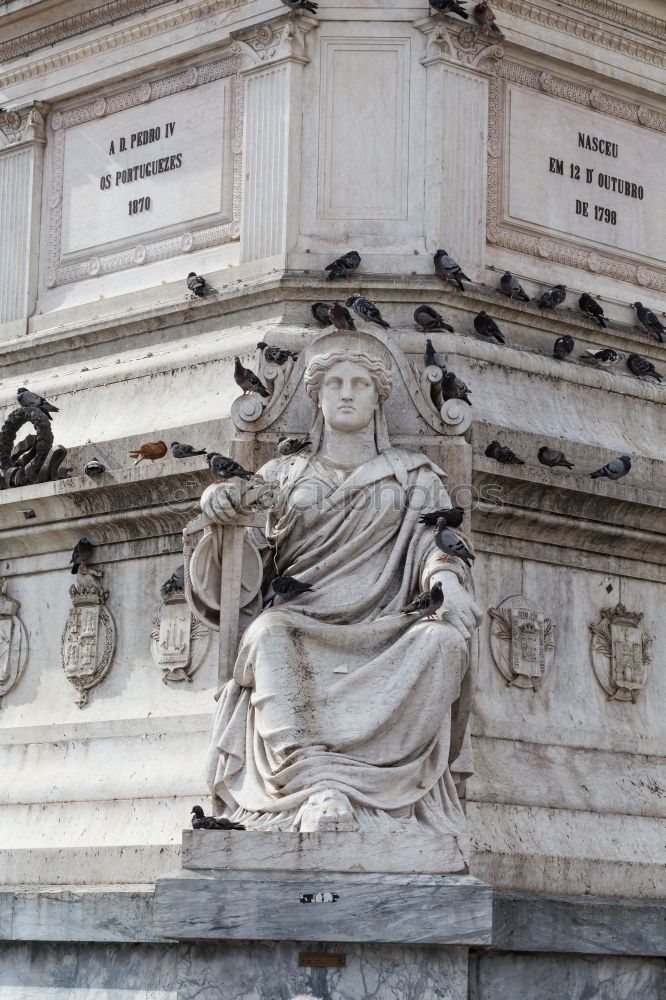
273	40
23	125
449	42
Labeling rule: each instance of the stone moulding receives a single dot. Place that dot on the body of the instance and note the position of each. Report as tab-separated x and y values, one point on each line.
60	272
621	653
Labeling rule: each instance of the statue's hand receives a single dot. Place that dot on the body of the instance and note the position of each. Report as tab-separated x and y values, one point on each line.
458	609
225	503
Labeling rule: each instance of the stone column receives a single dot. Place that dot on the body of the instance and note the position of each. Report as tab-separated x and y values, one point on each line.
22	140
273	59
456	150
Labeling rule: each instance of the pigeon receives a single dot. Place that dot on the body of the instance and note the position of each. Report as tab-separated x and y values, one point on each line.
487	327
642	367
552	457
320	312
591	308
604	358
225	468
448	270
196	284
562	347
647	318
246	380
152	450
287	587
201	822
343	266
179	450
453	517
512	288
299	5
94	468
367	310
27	398
175	582
82	554
450	544
433	357
427	319
427	603
293	445
485	18
449	7
503	454
454	388
341	317
615	469
552	298
275	355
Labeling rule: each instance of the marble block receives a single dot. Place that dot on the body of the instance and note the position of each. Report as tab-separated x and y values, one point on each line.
332	852
323	906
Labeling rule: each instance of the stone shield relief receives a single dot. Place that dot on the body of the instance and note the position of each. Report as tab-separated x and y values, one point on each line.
13	642
621	653
522	640
179	642
89	639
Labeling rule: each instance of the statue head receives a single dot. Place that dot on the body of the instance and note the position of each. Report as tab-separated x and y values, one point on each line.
349	389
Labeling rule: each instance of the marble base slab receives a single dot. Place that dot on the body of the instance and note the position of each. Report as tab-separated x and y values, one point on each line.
323	906
332	852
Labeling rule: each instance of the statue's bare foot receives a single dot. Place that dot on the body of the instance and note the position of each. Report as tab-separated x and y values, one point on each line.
328	810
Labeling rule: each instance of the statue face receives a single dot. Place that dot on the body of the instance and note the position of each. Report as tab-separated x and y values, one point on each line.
347	397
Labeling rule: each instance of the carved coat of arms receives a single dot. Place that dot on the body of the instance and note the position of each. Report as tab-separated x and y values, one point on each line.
13	642
522	640
89	639
179	642
621	653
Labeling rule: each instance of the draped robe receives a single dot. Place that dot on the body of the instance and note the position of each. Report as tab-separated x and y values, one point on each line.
337	689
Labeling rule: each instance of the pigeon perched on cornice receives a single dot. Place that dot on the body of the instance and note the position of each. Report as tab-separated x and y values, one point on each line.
275	355
485	18
300	5
648	319
552	297
175	582
449	270
562	347
293	445
367	310
428	319
426	603
151	449
179	450
341	318
197	285
591	308
433	357
287	587
344	266
512	288
450	544
600	359
94	468
27	398
202	822
225	468
503	454
553	458
454	388
642	367
486	326
246	380
453	517
449	7
82	554
615	469
320	311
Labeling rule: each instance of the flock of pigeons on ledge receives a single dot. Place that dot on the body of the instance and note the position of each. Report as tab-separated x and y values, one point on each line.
482	14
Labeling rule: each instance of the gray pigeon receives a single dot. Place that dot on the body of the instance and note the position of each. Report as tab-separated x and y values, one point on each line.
179	450
202	822
503	454
287	587
344	266
246	380
299	5
427	603
552	458
512	288
642	367
433	357
552	298
453	517
454	388
196	284
225	468
563	346
82	554
450	544
292	445
175	582
27	398
486	326
449	270
341	317
615	469
94	468
367	310
427	319
449	7
648	319
591	308
275	355
320	312
600	359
